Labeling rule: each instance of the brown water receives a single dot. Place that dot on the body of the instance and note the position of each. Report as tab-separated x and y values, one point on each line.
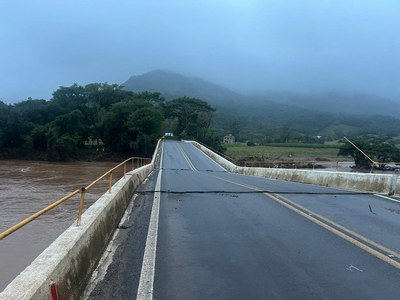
27	187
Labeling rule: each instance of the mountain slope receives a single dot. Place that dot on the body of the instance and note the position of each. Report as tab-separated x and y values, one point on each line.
266	114
172	85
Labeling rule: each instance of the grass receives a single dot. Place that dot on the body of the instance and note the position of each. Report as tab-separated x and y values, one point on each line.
283	151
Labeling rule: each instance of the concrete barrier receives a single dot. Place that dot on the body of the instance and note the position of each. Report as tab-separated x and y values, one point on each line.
70	260
376	183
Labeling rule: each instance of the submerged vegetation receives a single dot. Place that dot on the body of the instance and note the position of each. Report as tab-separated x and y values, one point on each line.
379	150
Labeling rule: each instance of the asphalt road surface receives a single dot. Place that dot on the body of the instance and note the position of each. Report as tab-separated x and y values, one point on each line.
196	231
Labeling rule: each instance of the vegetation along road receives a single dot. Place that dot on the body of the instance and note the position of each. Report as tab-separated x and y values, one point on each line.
208	234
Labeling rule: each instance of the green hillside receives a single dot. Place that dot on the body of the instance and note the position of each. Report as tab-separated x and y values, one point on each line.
277	117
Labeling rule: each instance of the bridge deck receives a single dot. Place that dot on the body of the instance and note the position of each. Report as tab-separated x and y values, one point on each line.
227	236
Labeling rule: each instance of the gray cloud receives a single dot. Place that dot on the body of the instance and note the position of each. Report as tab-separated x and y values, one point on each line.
248	45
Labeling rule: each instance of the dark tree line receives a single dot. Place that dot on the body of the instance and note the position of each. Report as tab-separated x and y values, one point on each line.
99	117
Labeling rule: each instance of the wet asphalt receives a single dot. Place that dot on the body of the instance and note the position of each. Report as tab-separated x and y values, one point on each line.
229	236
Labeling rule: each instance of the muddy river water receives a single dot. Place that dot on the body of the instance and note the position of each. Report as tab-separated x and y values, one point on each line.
27	187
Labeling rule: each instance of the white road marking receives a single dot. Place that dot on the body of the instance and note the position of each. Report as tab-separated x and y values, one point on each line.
328	225
351	268
191	166
387	198
146	282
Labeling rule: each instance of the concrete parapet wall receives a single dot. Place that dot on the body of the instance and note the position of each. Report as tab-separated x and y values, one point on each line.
231	167
376	183
396	185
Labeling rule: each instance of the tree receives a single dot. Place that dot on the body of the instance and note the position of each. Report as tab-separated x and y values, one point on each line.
103	95
145	125
122	121
235	128
379	149
154	99
194	115
386	152
192	118
4	110
73	97
113	125
14	130
37	111
37	139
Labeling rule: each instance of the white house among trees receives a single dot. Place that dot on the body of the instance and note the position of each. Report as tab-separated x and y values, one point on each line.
229	139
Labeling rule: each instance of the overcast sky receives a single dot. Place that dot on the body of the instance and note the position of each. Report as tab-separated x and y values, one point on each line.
294	45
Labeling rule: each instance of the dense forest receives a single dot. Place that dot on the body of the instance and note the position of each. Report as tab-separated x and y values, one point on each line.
99	120
105	121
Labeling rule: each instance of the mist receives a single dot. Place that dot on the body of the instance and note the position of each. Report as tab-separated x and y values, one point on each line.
295	46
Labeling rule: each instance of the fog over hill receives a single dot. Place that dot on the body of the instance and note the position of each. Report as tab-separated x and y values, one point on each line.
279	116
335	102
173	85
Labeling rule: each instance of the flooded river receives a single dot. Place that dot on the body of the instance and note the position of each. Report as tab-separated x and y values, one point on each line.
27	187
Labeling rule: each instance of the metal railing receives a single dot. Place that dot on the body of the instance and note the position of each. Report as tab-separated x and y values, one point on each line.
136	162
